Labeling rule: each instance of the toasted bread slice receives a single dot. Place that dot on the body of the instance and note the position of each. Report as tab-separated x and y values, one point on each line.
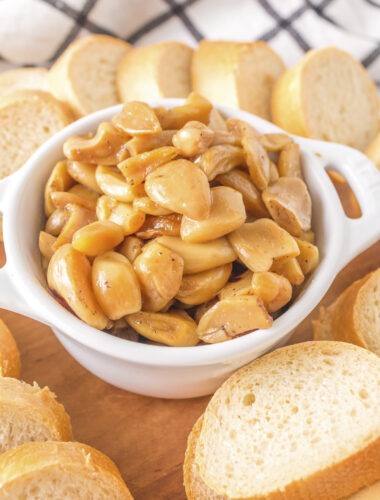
68	471
197	489
325	96
354	316
23	79
29	413
155	72
9	355
294	424
27	119
85	75
239	75
373	151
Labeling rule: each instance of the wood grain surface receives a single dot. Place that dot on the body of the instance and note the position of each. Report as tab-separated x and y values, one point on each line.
146	437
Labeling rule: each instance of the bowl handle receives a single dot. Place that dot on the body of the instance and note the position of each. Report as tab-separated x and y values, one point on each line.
364	179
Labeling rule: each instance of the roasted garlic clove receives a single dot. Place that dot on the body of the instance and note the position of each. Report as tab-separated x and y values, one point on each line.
107	147
290	269
45	243
193	139
112	183
131	247
97	237
200	256
161	225
258	161
137	168
137	118
195	108
273	173
62	198
84	192
240	180
227	214
115	285
258	243
159	271
69	276
240	128
165	328
220	160
182	187
84	173
142	143
233	316
201	309
120	213
289	203
76	217
216	121
59	180
201	287
275	142
146	205
289	161
275	290
56	221
308	258
239	285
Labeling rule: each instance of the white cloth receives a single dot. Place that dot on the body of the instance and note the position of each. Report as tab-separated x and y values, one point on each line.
35	32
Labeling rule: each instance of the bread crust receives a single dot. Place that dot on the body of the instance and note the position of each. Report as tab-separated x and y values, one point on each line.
9	353
373	151
22	462
23	78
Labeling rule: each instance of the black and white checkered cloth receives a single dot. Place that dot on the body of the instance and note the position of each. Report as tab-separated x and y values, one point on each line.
36	32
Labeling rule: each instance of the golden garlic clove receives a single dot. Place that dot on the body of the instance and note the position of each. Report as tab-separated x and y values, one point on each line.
273	173
240	180
290	269
62	198
97	237
161	225
239	285
120	213
216	121
115	285
137	118
56	221
193	139
233	316
221	159
69	276
258	243
200	257
275	290
240	128
77	217
59	180
196	108
227	214
107	147
201	309
165	328
113	184
137	168
182	187
84	173
308	236
45	243
289	161
84	192
275	142
308	258
159	271
142	143
258	161
146	205
201	287
289	203
131	247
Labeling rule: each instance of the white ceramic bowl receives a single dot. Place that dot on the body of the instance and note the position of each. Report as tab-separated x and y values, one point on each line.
167	371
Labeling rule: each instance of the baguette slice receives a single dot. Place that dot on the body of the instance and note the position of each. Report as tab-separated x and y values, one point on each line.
27	119
52	470
22	79
354	316
239	75
9	355
373	151
155	72
85	75
295	423
325	96
29	413
197	489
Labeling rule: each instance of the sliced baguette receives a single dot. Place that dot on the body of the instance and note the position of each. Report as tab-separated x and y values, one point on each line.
373	151
155	72
29	413
294	424
354	316
22	79
68	471
85	75
9	354
27	119
240	75
325	96
197	489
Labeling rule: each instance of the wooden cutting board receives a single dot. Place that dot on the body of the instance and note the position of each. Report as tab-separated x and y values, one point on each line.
146	437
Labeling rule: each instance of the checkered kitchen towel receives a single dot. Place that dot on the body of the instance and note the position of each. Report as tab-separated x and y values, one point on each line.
36	32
